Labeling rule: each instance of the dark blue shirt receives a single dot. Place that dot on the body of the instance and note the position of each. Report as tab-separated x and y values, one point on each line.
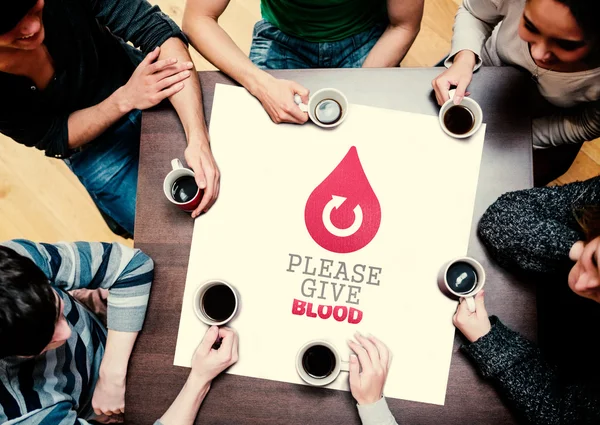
87	42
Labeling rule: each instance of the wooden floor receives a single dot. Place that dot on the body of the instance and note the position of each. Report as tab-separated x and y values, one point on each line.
41	200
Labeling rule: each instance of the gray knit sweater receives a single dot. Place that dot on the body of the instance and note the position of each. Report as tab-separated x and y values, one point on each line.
532	388
534	229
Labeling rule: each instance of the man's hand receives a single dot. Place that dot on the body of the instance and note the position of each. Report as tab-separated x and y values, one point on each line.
472	325
199	158
459	75
207	362
277	97
153	81
109	396
374	358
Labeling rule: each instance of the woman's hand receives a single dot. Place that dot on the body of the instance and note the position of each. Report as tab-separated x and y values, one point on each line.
459	75
472	325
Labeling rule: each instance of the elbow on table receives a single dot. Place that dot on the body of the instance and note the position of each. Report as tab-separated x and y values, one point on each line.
499	223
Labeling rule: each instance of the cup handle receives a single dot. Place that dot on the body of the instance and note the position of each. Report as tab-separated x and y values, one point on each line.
451	93
298	100
176	163
470	304
344	366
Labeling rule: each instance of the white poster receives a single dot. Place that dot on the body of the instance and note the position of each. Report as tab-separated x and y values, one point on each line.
329	232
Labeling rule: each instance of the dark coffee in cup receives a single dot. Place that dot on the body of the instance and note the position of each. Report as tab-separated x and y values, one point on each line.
328	111
218	302
184	189
318	361
459	119
461	277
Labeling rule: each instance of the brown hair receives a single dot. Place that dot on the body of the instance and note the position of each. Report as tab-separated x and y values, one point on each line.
588	218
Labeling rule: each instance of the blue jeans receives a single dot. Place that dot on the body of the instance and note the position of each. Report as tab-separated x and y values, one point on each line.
108	168
273	49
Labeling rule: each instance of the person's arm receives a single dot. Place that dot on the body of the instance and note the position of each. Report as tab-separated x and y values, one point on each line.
200	23
369	367
61	413
151	82
578	125
188	104
207	363
127	274
405	23
534	229
146	27
473	25
517	369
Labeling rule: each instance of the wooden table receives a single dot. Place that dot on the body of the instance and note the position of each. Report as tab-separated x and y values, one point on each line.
165	234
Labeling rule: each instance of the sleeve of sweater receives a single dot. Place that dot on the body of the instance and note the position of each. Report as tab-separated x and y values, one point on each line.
473	25
127	274
517	370
377	413
137	21
577	125
534	229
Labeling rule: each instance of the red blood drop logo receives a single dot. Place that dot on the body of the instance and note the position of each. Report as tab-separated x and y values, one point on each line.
343	213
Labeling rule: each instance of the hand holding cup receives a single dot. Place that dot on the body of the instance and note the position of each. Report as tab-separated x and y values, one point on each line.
463	278
208	362
327	108
472	324
368	368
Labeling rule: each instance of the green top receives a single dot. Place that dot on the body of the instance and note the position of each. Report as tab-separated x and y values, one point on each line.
324	20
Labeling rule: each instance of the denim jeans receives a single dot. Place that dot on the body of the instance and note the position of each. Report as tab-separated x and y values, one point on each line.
273	49
108	168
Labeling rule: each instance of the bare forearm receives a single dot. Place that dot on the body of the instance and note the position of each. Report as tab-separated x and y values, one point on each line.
87	124
219	49
391	47
119	346
184	409
188	101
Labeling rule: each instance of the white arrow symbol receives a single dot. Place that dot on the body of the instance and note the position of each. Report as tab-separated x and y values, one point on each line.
336	202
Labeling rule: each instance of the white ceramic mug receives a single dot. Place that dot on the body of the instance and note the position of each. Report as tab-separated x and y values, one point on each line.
178	171
198	301
469	296
316	98
468	103
340	366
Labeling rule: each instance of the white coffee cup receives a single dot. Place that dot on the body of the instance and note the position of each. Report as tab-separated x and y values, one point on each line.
178	171
317	103
203	311
469	104
337	367
452	291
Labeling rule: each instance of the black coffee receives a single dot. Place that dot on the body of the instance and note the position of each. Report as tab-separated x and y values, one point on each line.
318	361
218	302
459	119
328	111
461	277
184	189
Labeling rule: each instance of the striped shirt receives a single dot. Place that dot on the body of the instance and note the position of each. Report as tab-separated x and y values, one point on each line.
56	387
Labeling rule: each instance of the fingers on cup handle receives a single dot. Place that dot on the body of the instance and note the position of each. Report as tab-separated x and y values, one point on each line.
470	301
461	89
302	91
